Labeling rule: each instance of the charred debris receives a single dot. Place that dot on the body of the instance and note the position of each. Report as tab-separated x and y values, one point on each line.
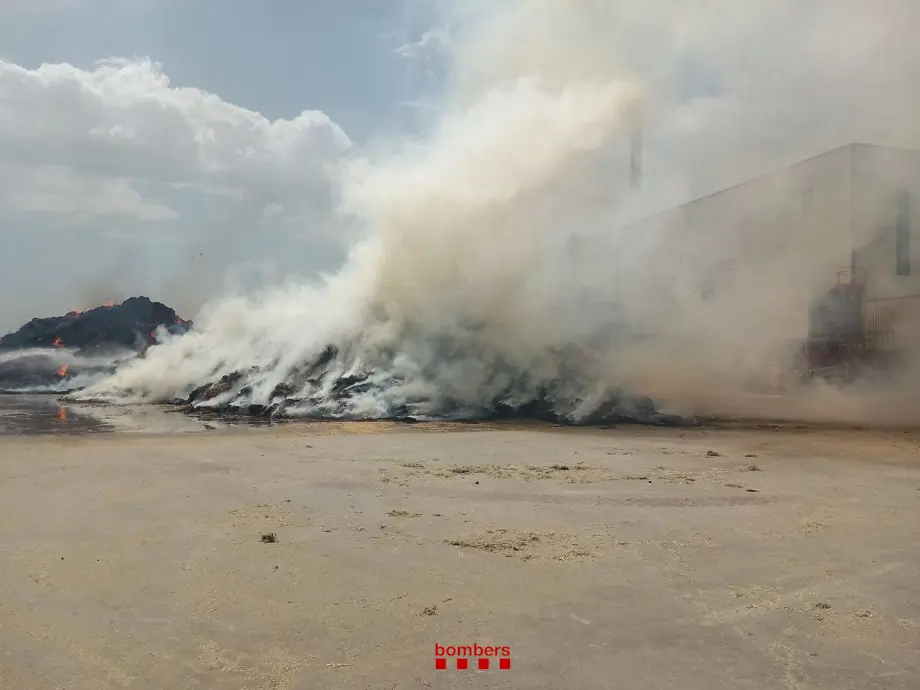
329	386
319	391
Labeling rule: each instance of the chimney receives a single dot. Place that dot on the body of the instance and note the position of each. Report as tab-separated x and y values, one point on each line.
635	155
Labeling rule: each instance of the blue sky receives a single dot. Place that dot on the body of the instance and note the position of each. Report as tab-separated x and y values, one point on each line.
277	57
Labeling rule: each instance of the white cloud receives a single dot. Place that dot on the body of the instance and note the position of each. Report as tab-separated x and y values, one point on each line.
57	190
119	182
82	139
431	41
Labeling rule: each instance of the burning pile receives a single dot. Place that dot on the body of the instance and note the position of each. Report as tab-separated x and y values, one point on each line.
335	386
130	325
64	353
461	302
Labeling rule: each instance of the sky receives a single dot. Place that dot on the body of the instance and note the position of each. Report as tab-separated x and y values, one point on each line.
169	147
184	149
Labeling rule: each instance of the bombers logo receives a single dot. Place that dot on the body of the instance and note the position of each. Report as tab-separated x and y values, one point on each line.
480	655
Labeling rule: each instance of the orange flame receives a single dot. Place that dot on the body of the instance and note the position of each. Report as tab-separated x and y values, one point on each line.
57	341
62	371
62	414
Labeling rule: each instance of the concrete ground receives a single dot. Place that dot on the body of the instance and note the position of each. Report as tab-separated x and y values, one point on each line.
625	558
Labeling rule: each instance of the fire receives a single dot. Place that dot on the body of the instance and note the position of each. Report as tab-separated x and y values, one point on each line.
62	414
62	371
57	341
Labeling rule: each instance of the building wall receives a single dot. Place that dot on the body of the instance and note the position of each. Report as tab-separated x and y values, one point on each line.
802	211
758	254
886	203
770	245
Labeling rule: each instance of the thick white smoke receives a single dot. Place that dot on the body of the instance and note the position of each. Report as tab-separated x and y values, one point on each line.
55	370
460	271
467	289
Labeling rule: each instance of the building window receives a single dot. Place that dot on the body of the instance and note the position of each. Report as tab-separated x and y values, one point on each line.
902	235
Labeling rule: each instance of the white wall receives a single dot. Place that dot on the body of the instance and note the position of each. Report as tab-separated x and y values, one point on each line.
879	174
774	243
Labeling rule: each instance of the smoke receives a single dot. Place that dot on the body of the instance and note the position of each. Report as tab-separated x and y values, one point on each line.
460	272
506	232
55	370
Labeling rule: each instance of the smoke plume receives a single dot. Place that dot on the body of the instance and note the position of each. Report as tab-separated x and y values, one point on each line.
505	234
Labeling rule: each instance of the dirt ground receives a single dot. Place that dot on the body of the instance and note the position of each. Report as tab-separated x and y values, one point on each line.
626	558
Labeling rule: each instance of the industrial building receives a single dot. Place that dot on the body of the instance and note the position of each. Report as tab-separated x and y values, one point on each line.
765	250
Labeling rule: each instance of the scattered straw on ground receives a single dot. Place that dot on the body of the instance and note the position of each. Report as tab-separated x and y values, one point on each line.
526	546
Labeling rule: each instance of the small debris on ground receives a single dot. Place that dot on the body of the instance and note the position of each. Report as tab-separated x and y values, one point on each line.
403	513
753	468
561	468
751	455
430	611
822	605
269	538
713	454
